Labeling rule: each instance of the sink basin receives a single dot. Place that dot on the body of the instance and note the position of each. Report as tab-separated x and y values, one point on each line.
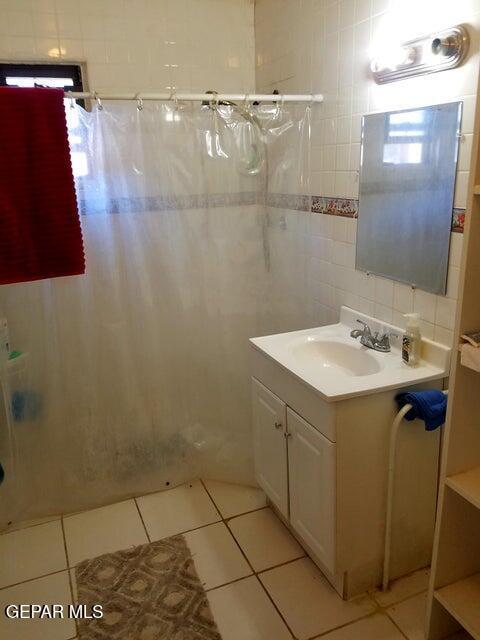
343	358
336	366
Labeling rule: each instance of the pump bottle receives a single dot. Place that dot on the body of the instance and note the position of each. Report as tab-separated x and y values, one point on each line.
412	340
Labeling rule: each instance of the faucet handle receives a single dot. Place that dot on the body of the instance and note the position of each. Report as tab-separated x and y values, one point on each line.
384	338
366	328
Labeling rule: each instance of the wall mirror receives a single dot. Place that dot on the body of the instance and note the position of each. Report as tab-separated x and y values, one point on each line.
407	180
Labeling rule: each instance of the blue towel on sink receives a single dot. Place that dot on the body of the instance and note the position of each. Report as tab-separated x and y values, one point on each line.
429	405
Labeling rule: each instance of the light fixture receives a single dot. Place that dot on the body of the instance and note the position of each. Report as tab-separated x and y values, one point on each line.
429	54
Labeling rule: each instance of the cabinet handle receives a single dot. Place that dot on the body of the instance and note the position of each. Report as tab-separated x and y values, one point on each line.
287	434
278	425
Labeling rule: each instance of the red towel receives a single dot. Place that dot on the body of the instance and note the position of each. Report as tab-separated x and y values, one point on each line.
40	232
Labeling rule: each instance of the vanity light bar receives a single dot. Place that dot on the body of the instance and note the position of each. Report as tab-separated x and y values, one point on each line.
429	54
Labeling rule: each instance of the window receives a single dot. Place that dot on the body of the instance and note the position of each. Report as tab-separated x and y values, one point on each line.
68	76
405	136
60	76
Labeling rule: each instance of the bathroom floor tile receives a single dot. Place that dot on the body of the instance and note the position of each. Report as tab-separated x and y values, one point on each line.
104	530
308	603
31	553
234	499
403	588
264	539
16	526
243	611
54	589
410	616
178	510
376	627
217	558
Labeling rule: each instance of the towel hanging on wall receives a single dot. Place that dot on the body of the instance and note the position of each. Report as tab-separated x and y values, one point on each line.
40	232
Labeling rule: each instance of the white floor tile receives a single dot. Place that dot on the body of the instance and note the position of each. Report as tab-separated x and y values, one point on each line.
376	627
264	539
53	589
168	513
243	611
410	616
31	553
403	588
234	499
217	558
103	530
308	603
29	523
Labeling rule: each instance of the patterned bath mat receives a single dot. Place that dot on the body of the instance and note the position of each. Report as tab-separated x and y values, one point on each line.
151	592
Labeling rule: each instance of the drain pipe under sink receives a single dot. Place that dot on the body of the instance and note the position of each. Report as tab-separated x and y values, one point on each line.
391	478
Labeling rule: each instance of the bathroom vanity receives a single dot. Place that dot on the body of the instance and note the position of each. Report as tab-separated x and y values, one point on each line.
323	406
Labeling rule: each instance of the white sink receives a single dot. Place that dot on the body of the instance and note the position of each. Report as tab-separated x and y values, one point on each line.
337	366
336	355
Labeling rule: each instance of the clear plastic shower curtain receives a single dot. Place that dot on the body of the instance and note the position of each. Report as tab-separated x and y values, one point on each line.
135	376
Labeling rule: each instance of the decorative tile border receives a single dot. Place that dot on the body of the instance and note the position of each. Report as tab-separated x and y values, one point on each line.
165	203
458	220
345	207
289	201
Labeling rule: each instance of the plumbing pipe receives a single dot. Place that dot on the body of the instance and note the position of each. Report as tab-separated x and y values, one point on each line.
391	477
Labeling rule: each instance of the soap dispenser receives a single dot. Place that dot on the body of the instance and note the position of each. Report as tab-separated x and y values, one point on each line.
412	340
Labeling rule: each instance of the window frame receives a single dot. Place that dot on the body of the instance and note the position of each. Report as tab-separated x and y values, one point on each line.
45	70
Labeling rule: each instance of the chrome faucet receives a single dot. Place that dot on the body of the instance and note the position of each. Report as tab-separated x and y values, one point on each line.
373	341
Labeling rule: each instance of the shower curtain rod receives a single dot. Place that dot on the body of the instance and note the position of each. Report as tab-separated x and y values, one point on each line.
197	97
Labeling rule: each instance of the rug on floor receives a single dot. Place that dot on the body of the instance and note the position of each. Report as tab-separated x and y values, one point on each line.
150	592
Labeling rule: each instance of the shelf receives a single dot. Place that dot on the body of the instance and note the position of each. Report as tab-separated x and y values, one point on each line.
469	356
462	601
467	484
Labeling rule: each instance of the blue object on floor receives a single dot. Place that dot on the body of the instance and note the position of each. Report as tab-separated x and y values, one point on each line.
429	406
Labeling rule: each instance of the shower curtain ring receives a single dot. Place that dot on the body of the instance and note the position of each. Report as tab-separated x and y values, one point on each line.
174	97
72	103
246	103
139	102
278	106
214	101
98	101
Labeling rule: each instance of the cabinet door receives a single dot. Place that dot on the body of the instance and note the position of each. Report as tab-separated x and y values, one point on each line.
311	465
269	424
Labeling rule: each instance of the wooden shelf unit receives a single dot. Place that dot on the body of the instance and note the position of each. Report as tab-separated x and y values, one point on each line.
461	600
467	484
454	590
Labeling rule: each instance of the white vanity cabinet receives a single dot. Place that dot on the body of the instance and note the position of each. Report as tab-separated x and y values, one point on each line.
311	474
323	465
295	466
323	408
271	469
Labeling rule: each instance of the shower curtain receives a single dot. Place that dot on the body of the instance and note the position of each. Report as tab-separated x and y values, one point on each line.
135	377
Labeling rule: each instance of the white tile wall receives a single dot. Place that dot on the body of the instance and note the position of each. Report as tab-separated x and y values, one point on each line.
134	45
333	281
325	46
